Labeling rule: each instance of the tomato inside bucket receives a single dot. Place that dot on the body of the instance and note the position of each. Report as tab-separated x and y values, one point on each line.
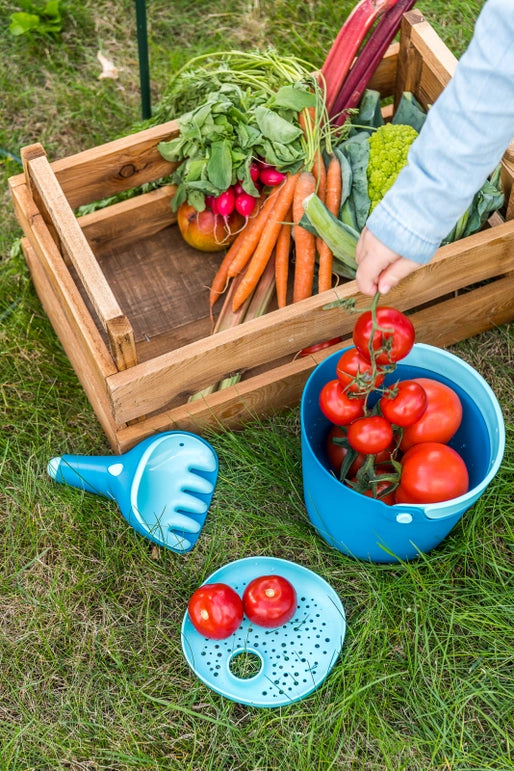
369	529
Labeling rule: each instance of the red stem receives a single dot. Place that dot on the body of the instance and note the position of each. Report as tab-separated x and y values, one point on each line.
348	41
368	60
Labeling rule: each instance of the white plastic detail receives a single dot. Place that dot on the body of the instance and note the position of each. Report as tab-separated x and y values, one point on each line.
115	469
404	517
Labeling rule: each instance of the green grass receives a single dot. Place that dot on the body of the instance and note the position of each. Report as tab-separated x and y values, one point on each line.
92	674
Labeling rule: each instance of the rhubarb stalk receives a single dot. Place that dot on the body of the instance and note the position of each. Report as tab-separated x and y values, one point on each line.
348	41
368	60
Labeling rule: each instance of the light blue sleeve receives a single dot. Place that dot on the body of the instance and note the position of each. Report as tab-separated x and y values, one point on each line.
464	137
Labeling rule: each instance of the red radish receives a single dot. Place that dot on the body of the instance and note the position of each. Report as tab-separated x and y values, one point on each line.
238	188
225	202
254	172
271	177
210	202
245	204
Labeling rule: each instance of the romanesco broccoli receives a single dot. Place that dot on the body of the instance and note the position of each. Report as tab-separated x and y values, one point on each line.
388	149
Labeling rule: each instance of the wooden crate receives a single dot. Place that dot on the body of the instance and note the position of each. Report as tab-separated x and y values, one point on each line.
129	300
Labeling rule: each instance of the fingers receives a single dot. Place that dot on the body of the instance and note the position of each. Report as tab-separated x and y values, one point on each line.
379	268
394	273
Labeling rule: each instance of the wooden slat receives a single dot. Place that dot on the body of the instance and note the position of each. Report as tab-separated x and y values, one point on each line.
74	246
72	339
384	77
121	224
487	307
425	63
151	384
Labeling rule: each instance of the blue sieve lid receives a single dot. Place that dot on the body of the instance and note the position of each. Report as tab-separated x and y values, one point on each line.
271	667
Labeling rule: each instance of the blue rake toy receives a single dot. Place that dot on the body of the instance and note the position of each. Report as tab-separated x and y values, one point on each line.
163	486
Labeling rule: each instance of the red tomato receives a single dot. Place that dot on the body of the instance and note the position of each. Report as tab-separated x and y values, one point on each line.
337	452
215	610
395	337
319	346
407	406
270	601
432	472
441	418
337	405
356	372
370	435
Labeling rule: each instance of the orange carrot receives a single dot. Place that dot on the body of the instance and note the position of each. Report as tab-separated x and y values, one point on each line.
334	185
221	279
266	245
305	242
320	175
252	235
282	250
332	202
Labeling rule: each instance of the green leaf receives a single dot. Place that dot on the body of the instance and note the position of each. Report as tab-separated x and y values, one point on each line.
292	98
409	112
172	150
219	165
274	127
52	9
22	22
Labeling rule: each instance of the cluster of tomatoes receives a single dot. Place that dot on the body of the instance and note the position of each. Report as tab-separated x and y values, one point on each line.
216	610
390	442
235	198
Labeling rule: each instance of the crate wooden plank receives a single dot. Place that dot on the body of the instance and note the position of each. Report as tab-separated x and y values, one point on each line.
292	328
85	367
425	63
487	306
75	247
120	224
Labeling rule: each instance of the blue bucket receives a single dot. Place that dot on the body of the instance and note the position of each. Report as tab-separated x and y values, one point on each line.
368	529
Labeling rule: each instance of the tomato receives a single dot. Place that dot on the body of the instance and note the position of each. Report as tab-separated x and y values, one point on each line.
269	601
337	452
394	339
356	372
370	435
319	346
215	610
337	405
432	472
441	418
407	406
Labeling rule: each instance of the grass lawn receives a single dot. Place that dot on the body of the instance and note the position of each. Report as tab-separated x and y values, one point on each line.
92	674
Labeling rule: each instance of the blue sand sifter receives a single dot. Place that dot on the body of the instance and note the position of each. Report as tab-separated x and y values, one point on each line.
163	486
263	667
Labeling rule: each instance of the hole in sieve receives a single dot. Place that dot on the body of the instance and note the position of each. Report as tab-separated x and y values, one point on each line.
245	664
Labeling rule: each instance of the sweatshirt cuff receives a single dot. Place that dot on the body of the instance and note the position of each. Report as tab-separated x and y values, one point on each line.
398	237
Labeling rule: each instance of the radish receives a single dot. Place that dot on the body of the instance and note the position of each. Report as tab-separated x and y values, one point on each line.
245	204
254	172
271	177
225	202
238	188
210	202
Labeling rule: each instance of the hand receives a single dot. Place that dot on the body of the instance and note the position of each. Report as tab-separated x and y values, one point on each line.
379	268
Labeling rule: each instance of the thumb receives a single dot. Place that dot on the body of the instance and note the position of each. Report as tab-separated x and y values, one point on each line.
394	273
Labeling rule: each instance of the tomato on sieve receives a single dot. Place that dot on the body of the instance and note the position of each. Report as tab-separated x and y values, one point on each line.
269	601
215	610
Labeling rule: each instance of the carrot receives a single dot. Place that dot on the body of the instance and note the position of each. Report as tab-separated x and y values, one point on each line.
282	250
332	202
266	245
334	185
320	175
221	279
305	242
252	234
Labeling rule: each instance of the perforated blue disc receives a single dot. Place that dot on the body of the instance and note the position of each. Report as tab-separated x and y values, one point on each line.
271	667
